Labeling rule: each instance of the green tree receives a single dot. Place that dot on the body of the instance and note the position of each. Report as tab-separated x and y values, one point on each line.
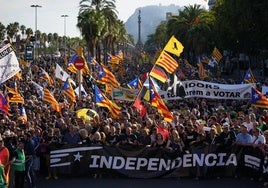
193	27
43	41
12	29
95	20
158	39
55	40
244	22
2	31
29	32
23	30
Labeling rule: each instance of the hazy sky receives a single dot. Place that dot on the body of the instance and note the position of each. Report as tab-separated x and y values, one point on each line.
49	18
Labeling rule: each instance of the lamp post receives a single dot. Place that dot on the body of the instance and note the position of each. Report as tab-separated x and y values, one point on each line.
35	35
64	16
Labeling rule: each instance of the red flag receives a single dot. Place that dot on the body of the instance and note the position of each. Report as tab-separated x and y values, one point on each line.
138	104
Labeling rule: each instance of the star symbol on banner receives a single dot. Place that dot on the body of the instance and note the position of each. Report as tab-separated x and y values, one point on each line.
77	156
256	96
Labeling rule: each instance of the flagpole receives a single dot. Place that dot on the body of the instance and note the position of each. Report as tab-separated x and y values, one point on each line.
145	81
80	79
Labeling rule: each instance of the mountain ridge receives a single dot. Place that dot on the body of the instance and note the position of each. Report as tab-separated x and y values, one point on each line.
151	17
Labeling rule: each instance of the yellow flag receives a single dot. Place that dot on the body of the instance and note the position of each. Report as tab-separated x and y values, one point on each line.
174	46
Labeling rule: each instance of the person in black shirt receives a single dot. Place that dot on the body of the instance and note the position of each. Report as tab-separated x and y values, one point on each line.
145	139
226	138
112	137
128	138
159	142
85	140
191	136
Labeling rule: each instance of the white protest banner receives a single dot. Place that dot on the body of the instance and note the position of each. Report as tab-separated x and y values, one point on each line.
201	89
9	64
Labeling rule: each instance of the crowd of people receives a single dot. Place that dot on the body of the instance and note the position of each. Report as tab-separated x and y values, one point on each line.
25	145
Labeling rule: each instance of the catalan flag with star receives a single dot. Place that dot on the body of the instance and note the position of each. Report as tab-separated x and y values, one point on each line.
102	101
258	99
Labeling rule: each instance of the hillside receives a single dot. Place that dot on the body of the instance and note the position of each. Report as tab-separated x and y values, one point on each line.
151	16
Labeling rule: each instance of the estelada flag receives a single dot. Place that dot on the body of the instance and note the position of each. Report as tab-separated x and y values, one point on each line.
44	75
103	101
258	99
68	90
3	104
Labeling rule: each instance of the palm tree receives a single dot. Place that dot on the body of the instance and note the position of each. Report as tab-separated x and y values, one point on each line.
192	27
22	29
2	31
95	19
72	43
29	32
90	28
12	29
55	40
43	41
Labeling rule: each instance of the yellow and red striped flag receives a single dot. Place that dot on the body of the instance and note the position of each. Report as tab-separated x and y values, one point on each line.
258	99
167	62
49	97
13	96
107	77
217	54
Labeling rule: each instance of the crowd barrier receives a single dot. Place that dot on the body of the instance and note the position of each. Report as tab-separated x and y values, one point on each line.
150	162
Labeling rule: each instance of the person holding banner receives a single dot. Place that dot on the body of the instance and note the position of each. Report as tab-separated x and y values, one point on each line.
257	138
174	142
243	137
227	138
160	141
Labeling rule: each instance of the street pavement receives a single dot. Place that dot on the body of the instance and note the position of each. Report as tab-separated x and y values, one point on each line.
80	182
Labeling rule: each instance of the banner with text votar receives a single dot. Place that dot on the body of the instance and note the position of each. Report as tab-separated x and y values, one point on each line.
201	89
9	64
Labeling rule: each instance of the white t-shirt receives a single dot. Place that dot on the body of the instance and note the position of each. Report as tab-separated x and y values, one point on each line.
259	140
